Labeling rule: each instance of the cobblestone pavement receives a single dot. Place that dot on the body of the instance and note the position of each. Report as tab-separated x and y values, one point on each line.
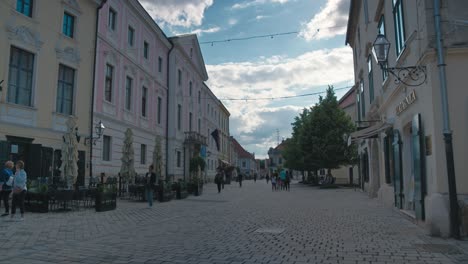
251	224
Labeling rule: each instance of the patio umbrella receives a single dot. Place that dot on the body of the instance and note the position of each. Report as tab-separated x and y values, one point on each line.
127	170
157	158
69	157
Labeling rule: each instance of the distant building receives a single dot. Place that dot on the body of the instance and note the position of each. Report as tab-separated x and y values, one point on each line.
275	155
245	160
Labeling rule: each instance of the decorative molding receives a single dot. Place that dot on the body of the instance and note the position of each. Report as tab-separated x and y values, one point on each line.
109	108
131	69
18	114
69	54
72	4
25	36
111	57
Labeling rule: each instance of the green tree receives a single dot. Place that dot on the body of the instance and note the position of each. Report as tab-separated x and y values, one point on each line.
328	124
317	138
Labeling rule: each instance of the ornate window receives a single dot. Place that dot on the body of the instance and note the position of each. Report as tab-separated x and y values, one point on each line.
66	83
20	78
68	28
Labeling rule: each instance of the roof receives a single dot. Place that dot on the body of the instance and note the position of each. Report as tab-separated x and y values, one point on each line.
241	152
354	6
181	41
281	146
348	99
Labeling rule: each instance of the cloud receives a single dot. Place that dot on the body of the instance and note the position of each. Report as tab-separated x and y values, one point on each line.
261	17
254	122
247	4
329	22
232	21
200	31
184	13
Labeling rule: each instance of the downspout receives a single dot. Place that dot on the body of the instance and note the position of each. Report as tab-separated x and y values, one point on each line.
167	110
91	123
454	220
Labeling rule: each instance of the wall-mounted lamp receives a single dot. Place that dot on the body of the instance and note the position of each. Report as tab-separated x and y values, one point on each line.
380	50
99	130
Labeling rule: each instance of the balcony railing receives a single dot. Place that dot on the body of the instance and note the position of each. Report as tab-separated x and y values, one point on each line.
193	137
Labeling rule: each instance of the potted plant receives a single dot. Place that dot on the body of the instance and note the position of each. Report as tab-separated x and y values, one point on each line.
197	166
106	197
37	199
165	189
181	189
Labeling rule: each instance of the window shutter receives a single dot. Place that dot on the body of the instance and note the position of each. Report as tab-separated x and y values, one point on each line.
418	165
397	179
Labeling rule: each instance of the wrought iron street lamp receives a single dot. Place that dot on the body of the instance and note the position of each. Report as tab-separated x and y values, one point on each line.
99	130
380	50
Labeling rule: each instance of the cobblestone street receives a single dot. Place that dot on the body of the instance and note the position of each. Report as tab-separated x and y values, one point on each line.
251	224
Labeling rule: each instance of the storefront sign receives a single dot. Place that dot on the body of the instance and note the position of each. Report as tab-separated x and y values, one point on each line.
409	100
14	149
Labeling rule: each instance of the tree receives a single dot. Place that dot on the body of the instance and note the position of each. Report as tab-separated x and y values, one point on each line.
317	138
328	124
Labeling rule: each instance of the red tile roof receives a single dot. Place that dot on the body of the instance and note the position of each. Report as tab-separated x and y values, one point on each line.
241	152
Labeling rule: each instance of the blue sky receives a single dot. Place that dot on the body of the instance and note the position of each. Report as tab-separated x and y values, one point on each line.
289	65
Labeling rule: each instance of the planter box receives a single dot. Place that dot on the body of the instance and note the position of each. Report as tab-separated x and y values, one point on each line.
105	201
165	196
198	190
181	194
37	202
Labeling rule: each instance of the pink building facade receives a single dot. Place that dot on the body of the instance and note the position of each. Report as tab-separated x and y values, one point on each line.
186	113
130	86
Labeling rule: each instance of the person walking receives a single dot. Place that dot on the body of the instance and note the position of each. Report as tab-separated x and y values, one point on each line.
240	179
218	180
150	181
267	178
287	181
282	175
19	189
255	177
5	185
273	183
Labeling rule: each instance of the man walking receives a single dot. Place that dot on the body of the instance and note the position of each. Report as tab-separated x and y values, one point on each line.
218	180
240	179
150	181
5	175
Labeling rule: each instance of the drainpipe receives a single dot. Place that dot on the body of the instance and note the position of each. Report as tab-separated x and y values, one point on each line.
167	110
91	123
454	220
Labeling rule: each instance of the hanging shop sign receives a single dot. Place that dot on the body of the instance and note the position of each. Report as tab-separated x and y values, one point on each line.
409	100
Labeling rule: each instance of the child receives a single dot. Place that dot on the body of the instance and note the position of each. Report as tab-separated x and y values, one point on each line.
273	183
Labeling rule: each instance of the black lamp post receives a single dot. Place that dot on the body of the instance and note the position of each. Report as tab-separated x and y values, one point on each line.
99	130
380	50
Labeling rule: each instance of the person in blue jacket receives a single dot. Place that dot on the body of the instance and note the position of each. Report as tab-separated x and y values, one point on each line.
19	189
5	175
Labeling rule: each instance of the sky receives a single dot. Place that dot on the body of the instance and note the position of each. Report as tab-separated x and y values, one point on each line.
301	63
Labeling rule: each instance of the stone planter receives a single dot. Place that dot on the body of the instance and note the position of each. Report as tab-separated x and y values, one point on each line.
105	201
36	202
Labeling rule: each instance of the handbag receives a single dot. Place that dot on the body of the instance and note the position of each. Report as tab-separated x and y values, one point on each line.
10	181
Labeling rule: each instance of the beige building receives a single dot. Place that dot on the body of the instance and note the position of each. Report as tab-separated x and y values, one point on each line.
402	151
46	68
346	174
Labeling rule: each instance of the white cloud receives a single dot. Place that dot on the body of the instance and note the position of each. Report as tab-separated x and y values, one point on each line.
329	22
256	2
260	17
200	31
184	13
272	77
232	21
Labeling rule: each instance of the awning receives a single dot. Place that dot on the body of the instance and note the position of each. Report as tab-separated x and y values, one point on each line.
224	162
368	132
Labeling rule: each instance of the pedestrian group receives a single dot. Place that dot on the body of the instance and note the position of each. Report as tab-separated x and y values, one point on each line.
13	183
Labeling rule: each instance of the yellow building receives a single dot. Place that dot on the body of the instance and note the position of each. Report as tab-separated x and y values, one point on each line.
402	149
46	68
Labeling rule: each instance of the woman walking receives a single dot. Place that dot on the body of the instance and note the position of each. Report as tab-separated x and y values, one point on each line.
5	182
19	190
